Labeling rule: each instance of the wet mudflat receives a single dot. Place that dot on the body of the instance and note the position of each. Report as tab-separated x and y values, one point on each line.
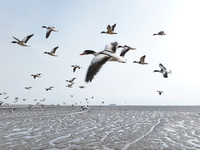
101	128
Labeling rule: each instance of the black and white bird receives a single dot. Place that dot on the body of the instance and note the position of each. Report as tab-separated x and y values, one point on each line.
101	58
38	75
28	87
75	67
52	53
69	85
49	30
142	62
22	42
49	88
110	30
71	81
125	49
160	33
163	70
160	92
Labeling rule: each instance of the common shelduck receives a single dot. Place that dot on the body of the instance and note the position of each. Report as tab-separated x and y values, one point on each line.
110	30
163	70
49	29
142	62
101	58
22	42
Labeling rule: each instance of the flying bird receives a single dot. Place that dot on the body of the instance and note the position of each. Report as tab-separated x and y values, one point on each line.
75	67
81	87
22	42
142	62
38	75
49	88
160	92
28	88
101	58
110	30
1	102
71	81
160	33
49	30
125	49
69	85
6	97
163	70
52	53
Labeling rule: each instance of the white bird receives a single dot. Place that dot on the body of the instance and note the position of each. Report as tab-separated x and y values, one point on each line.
163	70
22	42
101	58
49	29
110	30
160	33
142	62
52	53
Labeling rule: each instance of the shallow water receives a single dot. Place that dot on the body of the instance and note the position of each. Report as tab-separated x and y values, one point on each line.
101	128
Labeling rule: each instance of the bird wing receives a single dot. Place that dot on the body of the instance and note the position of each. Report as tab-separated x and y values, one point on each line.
142	58
124	51
162	67
27	38
48	33
109	28
16	38
165	74
54	49
96	64
111	47
113	27
74	69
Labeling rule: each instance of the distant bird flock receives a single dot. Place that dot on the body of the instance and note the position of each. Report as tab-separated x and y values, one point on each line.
99	59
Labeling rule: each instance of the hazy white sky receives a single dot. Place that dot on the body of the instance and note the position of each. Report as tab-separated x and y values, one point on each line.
79	23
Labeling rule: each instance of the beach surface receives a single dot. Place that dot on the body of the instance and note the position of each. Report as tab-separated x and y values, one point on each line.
100	128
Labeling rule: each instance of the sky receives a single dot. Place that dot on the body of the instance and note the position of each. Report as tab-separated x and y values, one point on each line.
79	23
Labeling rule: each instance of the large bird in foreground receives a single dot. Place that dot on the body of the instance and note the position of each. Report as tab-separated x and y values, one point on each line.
22	42
163	70
101	58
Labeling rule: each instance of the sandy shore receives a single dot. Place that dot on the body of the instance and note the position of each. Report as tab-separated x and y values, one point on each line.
100	128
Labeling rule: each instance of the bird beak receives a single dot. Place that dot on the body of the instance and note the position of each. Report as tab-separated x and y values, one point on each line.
82	54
